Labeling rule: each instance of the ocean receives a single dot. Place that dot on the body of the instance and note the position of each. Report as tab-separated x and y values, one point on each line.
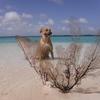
62	38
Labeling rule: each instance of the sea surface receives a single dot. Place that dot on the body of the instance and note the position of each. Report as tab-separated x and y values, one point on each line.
61	38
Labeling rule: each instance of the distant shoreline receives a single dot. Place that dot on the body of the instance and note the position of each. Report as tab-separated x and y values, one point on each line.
51	36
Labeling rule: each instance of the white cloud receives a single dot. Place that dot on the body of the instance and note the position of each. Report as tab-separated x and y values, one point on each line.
91	29
13	23
25	15
43	16
11	16
0	17
64	28
45	20
41	24
80	20
50	22
83	20
57	1
9	28
66	21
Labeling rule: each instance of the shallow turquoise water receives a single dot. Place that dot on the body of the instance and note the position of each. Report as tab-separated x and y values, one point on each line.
66	38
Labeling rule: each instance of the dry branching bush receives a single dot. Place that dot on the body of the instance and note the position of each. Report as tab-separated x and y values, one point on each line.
68	70
72	63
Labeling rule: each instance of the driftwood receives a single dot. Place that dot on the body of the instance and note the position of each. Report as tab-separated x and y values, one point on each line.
66	71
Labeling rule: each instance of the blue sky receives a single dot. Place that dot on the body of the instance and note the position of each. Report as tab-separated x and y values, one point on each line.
26	17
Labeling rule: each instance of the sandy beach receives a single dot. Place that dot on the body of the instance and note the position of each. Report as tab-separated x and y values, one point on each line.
19	81
49	49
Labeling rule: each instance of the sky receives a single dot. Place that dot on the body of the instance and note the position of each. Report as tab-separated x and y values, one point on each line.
26	17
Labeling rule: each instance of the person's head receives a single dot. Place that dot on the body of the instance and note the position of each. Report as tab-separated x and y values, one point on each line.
45	32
